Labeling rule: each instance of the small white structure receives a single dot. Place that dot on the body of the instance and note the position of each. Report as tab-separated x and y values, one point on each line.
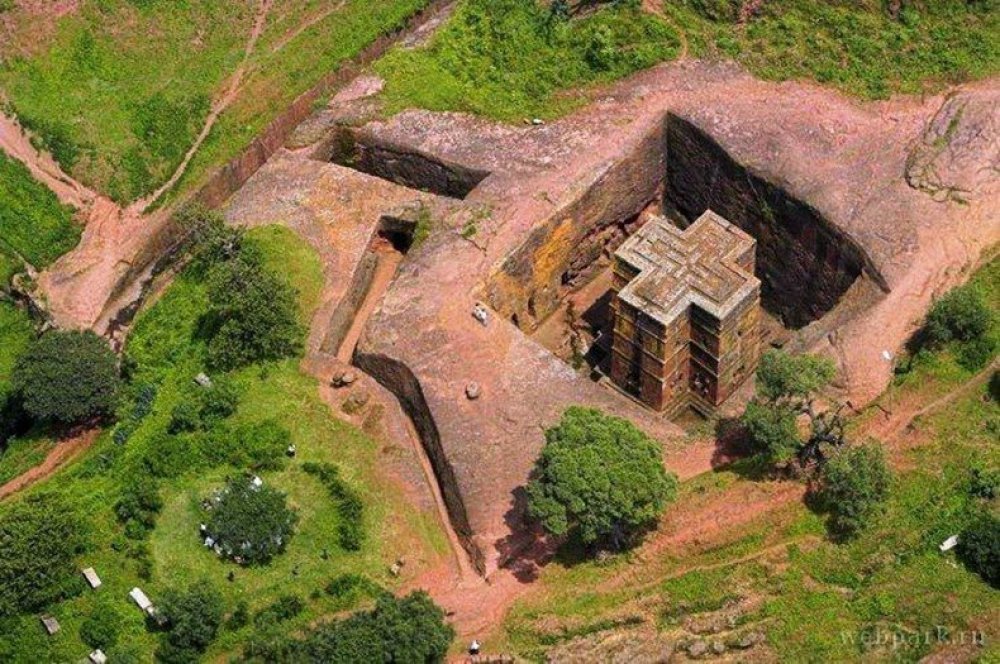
91	575
257	482
209	542
203	380
142	601
98	657
51	625
480	313
949	543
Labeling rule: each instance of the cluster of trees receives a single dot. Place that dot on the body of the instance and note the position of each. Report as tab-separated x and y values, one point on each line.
600	479
788	429
408	629
251	523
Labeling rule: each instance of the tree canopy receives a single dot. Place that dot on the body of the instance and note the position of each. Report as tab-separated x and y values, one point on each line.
854	483
39	539
67	377
599	477
251	523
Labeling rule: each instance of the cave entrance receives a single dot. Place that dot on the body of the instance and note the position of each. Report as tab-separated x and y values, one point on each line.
403	166
390	243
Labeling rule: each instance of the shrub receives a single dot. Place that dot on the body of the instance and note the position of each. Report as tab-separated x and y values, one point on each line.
258	445
67	377
979	548
348	588
251	524
962	315
599	477
253	314
984	482
240	616
854	482
193	617
138	503
284	608
202	408
350	509
170	456
40	537
100	629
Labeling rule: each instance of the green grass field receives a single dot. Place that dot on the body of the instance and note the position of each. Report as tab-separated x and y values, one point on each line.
167	354
117	90
509	59
33	224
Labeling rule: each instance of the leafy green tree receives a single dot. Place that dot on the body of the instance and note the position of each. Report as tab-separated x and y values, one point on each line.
773	431
252	523
785	378
67	377
979	547
193	617
854	483
786	389
40	537
254	314
599	477
100	629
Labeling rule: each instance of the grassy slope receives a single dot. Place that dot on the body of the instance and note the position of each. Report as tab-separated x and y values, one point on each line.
285	69
33	224
120	88
817	598
166	354
505	60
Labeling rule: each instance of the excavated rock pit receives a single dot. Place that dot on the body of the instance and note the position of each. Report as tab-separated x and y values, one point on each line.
528	213
408	167
805	263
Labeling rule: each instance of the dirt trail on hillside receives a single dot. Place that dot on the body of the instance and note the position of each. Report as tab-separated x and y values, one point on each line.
218	106
64	452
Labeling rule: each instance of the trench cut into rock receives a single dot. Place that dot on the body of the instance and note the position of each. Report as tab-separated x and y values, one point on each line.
405	166
804	263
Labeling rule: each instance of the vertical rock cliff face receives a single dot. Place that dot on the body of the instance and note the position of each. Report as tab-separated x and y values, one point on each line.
804	263
398	379
560	252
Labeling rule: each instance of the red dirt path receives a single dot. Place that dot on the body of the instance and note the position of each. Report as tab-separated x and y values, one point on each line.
64	452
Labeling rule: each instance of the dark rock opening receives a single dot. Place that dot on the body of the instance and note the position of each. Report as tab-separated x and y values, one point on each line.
394	231
354	148
805	264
